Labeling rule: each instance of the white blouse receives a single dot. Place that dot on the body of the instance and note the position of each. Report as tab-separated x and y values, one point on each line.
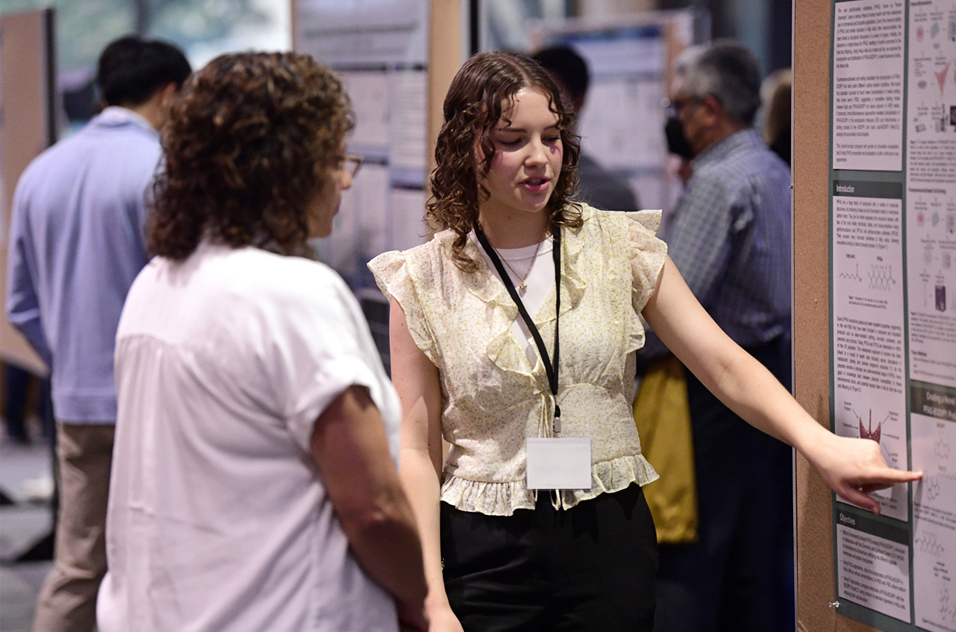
218	517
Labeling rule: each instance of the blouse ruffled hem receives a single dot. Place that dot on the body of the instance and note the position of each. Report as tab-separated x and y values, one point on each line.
503	498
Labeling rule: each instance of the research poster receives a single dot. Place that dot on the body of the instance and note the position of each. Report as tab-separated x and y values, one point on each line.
893	308
379	49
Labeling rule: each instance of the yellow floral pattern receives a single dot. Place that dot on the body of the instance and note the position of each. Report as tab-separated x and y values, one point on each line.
492	398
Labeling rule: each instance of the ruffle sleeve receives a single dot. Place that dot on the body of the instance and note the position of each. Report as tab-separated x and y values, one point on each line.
647	253
395	279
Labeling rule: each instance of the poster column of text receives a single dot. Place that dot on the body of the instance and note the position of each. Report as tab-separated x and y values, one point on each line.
868	325
931	302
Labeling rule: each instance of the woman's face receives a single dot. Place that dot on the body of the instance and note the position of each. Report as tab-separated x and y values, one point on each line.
528	156
325	205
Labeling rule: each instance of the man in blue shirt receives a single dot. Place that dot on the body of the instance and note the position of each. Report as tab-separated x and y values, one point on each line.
730	238
77	242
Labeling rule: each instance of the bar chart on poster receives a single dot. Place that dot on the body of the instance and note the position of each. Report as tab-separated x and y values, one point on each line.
893	309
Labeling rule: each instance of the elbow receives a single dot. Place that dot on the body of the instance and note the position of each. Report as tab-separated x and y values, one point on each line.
381	516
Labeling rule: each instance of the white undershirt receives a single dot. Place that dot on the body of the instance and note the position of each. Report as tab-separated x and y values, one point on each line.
538	274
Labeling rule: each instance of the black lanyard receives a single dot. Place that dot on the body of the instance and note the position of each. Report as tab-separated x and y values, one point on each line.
551	370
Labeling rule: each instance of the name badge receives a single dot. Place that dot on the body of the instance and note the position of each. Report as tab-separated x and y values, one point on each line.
559	463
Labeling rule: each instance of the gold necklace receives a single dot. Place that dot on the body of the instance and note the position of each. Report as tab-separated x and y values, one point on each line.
521	285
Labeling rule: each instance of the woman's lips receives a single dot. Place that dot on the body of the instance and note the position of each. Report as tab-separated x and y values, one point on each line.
536	185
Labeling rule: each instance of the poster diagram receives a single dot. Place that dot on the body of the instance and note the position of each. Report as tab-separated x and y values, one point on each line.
888	430
931	191
931	240
934	513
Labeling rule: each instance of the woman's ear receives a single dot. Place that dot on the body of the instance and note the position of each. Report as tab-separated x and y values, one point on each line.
477	153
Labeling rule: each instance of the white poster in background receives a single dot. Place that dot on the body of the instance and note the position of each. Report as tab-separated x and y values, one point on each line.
371	200
356	33
931	281
358	231
408	218
607	132
369	94
868	66
931	191
615	139
868	326
408	91
380	50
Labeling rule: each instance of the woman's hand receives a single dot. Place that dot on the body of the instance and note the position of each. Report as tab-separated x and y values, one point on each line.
412	618
854	468
442	619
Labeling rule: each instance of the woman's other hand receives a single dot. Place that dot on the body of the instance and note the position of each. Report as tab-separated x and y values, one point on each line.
412	618
442	619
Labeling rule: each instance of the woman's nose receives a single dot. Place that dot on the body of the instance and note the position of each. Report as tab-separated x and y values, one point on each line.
345	179
538	153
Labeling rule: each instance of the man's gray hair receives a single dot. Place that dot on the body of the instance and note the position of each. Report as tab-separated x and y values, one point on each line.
730	73
686	58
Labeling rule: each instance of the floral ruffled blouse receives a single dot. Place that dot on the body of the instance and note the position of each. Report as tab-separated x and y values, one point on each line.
492	398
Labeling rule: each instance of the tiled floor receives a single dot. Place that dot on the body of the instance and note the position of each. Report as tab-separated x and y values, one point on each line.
21	525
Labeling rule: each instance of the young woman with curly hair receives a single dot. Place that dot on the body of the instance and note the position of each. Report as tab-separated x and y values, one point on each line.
513	334
254	486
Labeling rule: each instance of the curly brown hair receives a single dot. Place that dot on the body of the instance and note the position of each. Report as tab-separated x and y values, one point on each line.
480	94
249	143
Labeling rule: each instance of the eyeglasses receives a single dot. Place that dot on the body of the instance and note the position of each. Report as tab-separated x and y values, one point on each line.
673	108
350	163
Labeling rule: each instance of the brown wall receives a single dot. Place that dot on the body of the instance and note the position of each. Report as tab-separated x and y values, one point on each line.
24	133
816	588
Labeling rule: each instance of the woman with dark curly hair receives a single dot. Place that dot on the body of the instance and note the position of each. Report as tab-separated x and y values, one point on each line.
254	486
535	519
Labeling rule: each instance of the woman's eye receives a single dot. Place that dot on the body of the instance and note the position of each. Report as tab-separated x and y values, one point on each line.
509	142
552	139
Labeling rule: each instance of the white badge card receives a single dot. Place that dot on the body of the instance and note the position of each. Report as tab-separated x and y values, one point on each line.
563	463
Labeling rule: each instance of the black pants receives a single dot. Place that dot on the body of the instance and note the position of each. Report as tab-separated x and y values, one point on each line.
738	576
590	567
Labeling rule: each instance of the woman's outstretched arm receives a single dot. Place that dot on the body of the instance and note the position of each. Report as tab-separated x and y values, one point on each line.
852	467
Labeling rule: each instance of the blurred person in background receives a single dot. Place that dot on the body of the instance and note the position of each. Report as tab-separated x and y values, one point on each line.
730	238
597	186
776	93
254	486
77	242
677	144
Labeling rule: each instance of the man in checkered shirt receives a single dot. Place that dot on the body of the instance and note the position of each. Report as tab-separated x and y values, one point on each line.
730	236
